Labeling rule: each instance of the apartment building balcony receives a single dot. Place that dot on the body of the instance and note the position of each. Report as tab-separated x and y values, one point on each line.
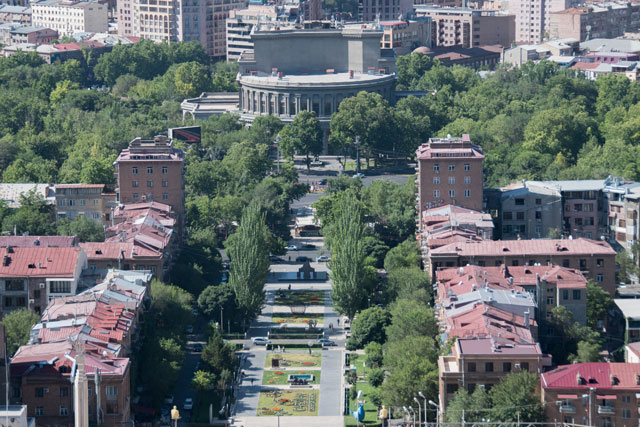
567	409
606	410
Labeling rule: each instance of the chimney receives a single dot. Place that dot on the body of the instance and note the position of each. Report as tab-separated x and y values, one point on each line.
526	318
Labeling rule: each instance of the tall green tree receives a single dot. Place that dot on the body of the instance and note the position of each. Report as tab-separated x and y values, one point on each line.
247	248
17	325
369	327
516	398
347	263
599	302
303	136
469	407
87	230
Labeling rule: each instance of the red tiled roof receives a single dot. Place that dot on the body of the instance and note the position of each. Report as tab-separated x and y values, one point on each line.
58	334
114	250
67	46
485	321
596	375
526	247
585	65
478	346
38	262
38	241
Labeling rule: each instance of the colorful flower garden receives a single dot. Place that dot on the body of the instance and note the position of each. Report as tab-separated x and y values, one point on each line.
288	403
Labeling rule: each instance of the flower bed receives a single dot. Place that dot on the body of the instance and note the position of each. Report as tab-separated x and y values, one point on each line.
288	402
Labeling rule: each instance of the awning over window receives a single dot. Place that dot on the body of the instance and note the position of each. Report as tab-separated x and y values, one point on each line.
567	396
606	396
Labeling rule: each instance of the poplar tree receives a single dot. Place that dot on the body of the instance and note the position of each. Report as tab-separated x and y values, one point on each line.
249	253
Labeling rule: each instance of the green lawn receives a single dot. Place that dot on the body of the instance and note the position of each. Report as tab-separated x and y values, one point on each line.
288	402
351	165
302	298
296	318
276	377
295	360
358	361
370	410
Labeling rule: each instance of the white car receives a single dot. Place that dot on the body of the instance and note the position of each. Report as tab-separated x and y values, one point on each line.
323	258
261	340
358	175
188	404
291	248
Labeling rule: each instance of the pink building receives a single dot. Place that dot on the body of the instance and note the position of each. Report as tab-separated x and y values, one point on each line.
533	17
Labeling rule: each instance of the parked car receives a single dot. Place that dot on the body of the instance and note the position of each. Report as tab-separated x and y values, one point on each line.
188	404
190	329
226	264
291	248
168	400
309	246
261	340
323	258
197	348
358	175
225	277
322	182
329	343
303	259
323	340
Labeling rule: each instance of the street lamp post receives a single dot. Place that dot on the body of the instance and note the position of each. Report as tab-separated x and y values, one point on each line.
425	406
432	403
406	411
415	399
277	142
413	416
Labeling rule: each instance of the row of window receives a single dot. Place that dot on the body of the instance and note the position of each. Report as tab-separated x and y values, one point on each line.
111	390
165	170
452	180
452	193
578	207
136	184
165	196
73	202
436	168
488	366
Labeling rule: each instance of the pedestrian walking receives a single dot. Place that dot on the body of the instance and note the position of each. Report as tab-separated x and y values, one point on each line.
338	321
251	381
289	283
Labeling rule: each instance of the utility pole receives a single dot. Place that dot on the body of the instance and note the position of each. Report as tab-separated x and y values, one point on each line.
357	144
98	380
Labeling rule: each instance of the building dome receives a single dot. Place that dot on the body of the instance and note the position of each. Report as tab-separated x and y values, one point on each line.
422	49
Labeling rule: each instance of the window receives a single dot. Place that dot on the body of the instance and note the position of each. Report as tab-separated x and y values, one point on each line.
577	207
506	229
134	184
488	367
471	367
165	170
626	398
149	169
72	202
165	183
578	221
39	411
565	294
95	202
538	230
64	391
467	167
507	215
599	278
64	411
626	413
436	168
150	184
452	168
59	287
538	201
452	180
506	367
436	180
588	220
467	180
14	285
519	215
549	300
583	264
588	207
524	366
538	215
565	263
576	294
467	193
165	196
452	388
519	202
452	193
436	193
134	171
112	392
515	263
36	294
39	391
135	196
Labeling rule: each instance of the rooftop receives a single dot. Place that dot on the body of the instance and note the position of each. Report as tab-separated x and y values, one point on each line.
159	148
39	262
11	193
38	241
327	79
579	246
629	307
449	147
480	346
114	251
601	376
611	45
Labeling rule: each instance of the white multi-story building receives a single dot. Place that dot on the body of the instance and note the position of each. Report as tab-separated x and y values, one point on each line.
178	20
240	23
69	17
533	17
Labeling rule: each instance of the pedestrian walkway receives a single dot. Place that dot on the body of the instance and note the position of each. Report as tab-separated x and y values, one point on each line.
253	367
331	383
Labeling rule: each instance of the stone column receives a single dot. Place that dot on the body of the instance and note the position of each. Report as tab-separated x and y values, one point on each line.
80	389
